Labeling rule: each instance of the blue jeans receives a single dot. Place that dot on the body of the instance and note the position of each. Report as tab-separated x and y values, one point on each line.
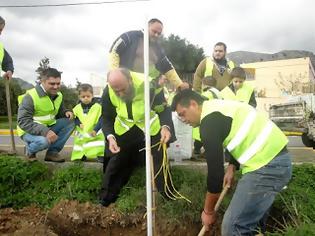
35	143
254	195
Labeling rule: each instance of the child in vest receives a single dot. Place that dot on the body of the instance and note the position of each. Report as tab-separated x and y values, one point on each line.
89	142
239	89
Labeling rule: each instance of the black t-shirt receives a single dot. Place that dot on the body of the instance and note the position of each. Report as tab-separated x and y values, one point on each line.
214	128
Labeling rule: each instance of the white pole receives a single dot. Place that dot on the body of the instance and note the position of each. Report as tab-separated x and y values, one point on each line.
147	126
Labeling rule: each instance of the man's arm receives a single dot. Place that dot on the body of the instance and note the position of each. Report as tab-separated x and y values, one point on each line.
199	74
252	100
212	133
25	118
159	105
165	66
108	114
117	49
7	63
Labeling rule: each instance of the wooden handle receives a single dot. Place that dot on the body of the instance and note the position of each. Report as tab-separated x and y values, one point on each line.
216	208
202	231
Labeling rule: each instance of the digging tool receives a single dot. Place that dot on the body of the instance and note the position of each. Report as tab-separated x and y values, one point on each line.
216	207
7	92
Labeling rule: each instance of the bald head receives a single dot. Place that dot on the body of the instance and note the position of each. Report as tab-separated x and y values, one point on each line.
120	81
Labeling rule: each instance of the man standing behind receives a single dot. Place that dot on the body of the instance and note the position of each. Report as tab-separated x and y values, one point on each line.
6	62
123	116
43	122
218	67
127	52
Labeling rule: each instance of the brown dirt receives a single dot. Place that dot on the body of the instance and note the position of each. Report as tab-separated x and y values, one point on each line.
69	218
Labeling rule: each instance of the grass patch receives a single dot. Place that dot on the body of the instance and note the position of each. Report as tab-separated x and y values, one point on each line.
4	122
23	183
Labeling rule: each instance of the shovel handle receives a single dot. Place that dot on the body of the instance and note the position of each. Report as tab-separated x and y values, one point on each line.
216	208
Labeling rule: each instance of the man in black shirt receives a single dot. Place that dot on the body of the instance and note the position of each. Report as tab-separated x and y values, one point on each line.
253	141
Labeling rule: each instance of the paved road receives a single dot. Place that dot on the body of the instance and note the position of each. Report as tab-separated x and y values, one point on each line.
299	152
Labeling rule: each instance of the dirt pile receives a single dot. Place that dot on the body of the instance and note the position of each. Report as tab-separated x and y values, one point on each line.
69	218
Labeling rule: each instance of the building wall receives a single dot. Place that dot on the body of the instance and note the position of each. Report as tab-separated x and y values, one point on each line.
275	81
278	78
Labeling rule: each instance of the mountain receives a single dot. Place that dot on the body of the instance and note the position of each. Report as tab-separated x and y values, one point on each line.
240	57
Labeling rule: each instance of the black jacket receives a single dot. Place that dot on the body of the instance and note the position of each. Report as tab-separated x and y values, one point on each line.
7	63
126	46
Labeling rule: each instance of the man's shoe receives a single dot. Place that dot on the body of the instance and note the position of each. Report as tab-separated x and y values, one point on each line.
54	157
31	157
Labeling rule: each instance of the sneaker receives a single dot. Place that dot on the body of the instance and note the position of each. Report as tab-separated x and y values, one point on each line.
54	157
31	157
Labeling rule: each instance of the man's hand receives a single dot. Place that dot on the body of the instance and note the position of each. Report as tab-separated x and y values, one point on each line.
93	133
7	75
113	147
183	86
208	219
51	136
229	176
69	114
165	134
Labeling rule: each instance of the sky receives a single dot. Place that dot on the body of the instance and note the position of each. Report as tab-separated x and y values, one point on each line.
77	39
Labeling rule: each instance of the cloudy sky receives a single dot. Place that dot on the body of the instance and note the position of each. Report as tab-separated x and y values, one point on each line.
77	38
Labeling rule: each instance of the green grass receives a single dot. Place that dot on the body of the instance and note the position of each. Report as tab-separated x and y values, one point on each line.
4	122
23	183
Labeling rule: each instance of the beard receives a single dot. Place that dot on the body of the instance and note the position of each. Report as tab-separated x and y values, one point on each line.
130	94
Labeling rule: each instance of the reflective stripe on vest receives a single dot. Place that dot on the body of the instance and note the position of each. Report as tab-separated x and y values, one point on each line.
43	119
84	143
253	139
243	94
122	122
1	56
243	131
260	140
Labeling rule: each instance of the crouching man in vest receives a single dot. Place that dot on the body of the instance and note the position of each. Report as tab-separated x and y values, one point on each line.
254	142
123	116
43	122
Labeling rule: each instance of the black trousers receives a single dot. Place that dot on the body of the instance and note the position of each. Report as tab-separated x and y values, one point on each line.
118	168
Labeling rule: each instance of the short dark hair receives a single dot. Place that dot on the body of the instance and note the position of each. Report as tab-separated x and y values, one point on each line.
2	21
221	44
50	72
238	72
85	88
184	97
153	20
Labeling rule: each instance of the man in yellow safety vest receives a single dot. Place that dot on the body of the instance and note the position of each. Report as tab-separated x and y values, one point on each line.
43	121
123	116
254	142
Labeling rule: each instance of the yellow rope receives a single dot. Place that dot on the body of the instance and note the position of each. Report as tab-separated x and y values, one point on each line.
174	195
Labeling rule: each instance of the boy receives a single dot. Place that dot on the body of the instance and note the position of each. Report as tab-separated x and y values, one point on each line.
89	142
238	89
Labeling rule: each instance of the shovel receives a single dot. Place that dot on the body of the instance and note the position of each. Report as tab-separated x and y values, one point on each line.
216	207
7	92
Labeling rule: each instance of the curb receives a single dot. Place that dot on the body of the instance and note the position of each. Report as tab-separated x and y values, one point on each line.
7	132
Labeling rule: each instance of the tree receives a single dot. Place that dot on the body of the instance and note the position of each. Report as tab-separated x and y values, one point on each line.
184	56
70	96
